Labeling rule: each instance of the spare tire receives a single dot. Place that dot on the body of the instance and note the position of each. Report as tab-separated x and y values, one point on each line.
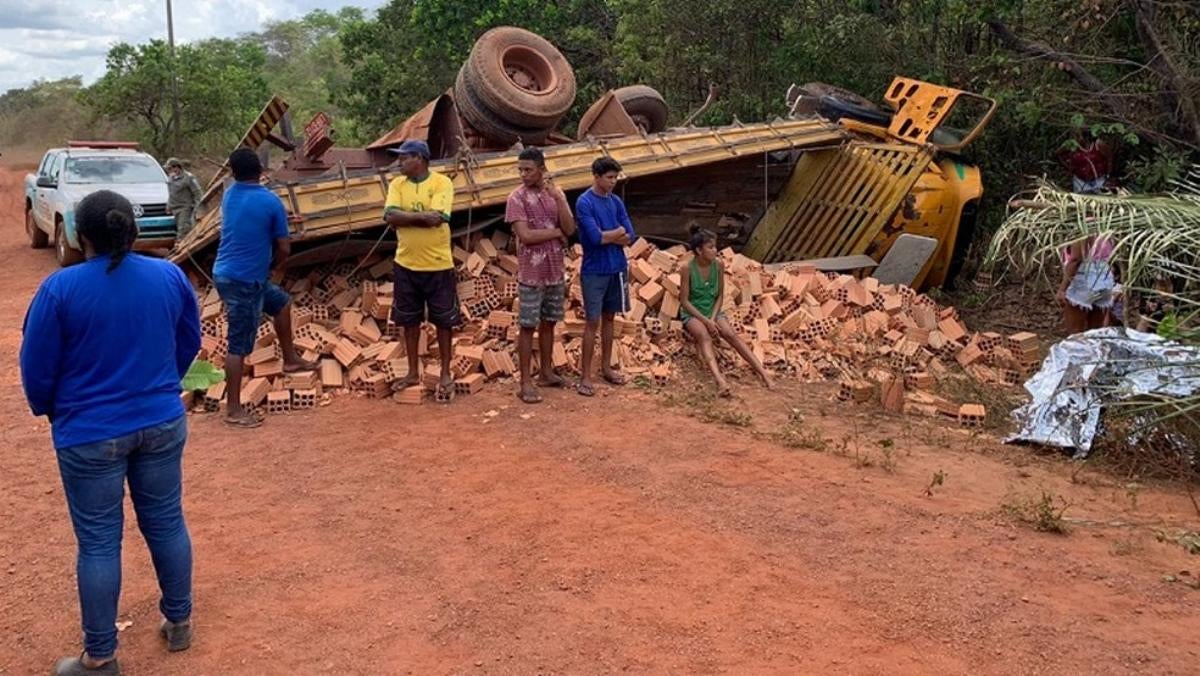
486	122
835	109
645	105
520	77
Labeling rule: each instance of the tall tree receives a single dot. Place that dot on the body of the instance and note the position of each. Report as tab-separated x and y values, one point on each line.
221	89
305	65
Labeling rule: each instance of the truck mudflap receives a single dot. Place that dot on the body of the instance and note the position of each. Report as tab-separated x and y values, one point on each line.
837	201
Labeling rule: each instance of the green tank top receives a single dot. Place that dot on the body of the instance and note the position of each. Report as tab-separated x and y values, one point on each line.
702	292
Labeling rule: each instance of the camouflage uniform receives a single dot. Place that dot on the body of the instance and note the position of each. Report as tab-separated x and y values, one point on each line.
183	195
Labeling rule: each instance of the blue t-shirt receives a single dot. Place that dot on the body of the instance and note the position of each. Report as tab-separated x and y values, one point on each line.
103	352
252	218
595	214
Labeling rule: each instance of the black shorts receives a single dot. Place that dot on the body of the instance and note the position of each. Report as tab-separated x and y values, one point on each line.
415	291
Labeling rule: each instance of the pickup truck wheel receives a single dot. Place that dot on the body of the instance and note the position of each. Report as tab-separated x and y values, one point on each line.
62	248
38	239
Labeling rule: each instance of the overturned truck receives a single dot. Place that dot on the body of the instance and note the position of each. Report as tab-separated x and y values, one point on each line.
837	181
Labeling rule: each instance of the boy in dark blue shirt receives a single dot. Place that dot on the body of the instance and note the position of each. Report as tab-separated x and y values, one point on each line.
254	240
604	231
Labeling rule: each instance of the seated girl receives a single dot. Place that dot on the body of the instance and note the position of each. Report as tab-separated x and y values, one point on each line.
701	289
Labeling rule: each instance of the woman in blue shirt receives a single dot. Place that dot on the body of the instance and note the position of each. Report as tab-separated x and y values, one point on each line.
106	344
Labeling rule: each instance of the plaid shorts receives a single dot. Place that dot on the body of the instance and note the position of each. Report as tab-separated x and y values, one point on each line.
540	304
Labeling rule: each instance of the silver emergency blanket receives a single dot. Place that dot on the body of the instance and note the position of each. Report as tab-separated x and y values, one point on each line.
1085	373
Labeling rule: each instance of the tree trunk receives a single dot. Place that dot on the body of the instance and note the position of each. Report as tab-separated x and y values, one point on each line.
1186	111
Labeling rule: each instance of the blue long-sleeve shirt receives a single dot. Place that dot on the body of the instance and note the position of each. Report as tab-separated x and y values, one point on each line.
103	353
595	214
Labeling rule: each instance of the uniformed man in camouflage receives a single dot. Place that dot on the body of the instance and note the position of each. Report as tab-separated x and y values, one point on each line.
183	195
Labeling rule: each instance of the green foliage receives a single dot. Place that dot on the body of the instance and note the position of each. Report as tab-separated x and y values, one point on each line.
201	375
45	113
938	479
409	53
306	66
371	71
221	89
1043	513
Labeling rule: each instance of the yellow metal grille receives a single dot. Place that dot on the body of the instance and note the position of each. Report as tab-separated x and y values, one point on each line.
837	201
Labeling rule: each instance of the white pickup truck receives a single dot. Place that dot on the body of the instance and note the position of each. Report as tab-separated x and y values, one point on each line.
67	175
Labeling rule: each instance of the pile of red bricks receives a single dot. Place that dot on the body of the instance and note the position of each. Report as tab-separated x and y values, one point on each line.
880	342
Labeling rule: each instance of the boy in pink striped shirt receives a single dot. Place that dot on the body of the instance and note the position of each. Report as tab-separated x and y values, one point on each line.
541	219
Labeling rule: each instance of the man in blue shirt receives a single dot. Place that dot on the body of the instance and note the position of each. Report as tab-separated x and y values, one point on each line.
254	241
604	231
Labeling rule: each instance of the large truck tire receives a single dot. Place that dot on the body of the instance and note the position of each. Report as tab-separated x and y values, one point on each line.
645	105
488	123
520	78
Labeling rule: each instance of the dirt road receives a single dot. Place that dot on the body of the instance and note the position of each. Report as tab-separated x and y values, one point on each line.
614	534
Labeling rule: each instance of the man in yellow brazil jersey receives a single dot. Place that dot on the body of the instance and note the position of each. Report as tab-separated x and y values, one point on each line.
418	209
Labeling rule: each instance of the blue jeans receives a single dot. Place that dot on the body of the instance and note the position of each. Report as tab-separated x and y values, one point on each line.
245	303
94	481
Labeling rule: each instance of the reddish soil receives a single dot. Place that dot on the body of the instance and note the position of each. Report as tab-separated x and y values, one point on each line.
603	535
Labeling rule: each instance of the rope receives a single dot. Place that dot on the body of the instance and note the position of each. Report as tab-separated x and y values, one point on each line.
201	270
766	191
370	252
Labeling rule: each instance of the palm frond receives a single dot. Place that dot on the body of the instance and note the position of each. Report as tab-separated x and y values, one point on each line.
1153	236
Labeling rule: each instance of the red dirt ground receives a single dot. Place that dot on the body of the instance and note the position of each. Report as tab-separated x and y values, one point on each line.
614	534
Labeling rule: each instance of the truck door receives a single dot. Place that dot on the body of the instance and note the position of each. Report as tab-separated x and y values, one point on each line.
43	208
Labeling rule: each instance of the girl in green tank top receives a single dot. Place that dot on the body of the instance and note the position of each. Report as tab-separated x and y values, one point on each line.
701	291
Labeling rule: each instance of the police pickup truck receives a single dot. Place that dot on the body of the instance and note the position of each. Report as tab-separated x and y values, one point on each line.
67	175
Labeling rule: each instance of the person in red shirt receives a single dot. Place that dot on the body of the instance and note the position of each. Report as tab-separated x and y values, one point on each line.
541	218
1090	164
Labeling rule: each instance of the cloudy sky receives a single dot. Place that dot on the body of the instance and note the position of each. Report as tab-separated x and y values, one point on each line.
49	39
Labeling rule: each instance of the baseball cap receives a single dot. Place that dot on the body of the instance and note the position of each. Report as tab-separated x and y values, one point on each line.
413	147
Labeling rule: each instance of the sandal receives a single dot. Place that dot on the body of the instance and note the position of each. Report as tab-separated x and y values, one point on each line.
529	397
559	382
585	389
245	421
444	394
613	379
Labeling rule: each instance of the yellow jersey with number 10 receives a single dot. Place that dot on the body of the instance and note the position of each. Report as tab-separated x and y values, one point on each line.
423	249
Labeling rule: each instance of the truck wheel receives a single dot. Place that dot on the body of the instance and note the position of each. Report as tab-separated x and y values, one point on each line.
645	105
520	77
62	248
38	239
487	123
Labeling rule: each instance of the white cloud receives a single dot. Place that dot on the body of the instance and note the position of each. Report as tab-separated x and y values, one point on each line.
51	39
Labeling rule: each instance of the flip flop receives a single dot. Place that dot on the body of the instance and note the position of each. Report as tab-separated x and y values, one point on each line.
585	389
529	397
617	380
246	421
444	394
561	382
